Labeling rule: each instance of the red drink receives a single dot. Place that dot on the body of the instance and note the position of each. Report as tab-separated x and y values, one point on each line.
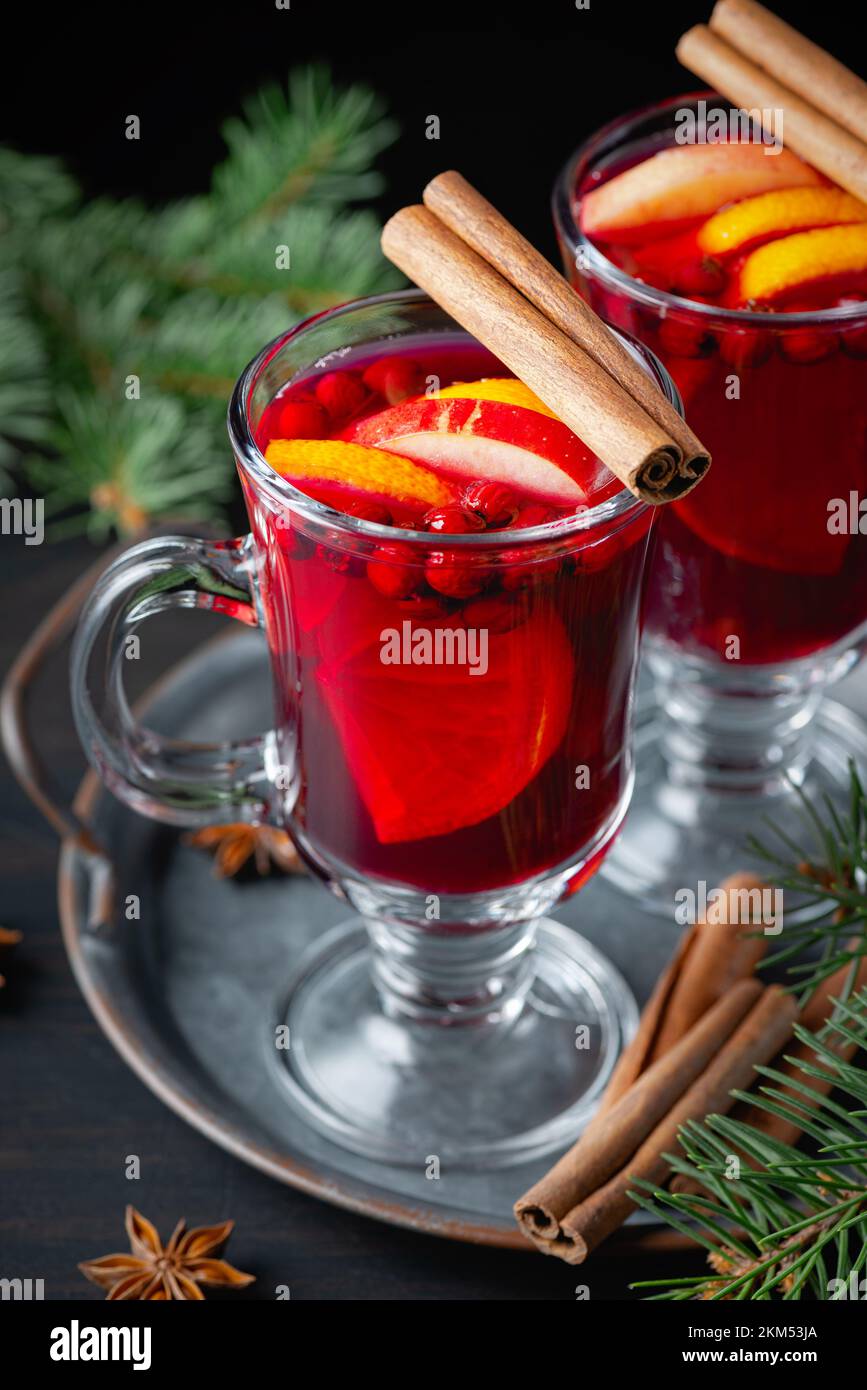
439	694
756	306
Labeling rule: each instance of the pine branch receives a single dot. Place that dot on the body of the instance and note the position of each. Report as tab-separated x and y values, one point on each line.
769	1231
113	300
831	868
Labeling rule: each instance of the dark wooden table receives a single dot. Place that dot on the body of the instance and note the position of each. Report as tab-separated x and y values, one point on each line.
73	1114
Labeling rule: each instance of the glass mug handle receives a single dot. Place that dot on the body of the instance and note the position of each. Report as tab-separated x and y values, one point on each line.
171	780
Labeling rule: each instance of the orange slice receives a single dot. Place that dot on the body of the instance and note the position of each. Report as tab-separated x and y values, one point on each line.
415	737
495	388
785	266
774	214
355	466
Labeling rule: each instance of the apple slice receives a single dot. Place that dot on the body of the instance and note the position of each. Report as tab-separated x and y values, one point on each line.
677	185
473	437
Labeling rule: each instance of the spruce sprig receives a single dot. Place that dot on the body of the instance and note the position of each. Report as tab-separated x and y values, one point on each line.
828	871
123	328
790	1225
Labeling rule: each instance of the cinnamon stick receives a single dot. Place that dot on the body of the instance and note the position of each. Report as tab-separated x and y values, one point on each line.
810	133
791	58
708	961
814	1015
603	1149
725	951
753	1043
565	377
478	223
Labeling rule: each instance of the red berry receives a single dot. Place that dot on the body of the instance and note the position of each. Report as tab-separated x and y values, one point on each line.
749	348
518	572
494	503
594	557
499	613
342	394
369	511
393	571
302	418
454	574
853	340
422	606
684	339
395	378
807	345
340	561
452	520
702	275
293	541
535	514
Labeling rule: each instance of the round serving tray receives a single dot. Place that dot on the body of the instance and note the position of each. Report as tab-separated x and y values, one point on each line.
181	993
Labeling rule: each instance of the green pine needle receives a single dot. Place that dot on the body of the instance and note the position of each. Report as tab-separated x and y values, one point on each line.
768	1232
123	328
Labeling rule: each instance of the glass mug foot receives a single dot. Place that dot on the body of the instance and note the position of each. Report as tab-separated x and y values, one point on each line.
512	1071
676	835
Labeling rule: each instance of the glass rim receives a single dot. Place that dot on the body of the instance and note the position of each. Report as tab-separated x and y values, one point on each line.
611	275
246	450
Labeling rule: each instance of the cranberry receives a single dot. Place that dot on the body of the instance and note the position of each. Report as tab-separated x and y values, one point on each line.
423	606
456	575
499	613
302	418
519	573
590	559
395	378
702	275
807	345
535	514
294	542
369	511
391	570
494	503
853	340
684	339
340	561
746	349
452	520
342	394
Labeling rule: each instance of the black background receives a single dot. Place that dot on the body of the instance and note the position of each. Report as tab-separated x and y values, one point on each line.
515	88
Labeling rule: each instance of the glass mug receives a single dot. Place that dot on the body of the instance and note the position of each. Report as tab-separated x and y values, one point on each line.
754	607
445	800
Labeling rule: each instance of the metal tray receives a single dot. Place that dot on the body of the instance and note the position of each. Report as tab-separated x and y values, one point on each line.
181	993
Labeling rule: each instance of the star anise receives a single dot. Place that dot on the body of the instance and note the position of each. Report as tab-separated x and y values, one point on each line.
237	843
8	938
152	1271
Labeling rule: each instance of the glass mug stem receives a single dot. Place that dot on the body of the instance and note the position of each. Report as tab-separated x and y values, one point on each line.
455	977
752	735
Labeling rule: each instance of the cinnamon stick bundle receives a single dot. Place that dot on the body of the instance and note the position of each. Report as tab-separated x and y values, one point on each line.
596	1214
603	1149
818	117
804	67
709	960
568	370
478	223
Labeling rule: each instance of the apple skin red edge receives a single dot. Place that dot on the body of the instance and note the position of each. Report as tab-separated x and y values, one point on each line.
486	439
